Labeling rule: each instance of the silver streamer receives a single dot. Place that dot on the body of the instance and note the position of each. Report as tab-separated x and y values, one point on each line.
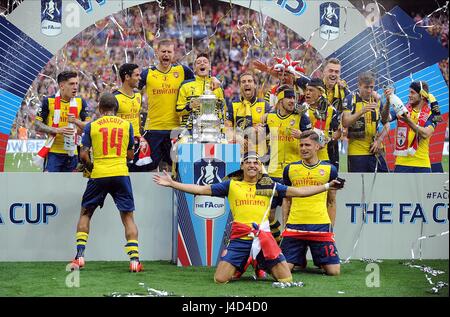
423	238
151	292
369	260
119	27
435	286
444	8
154	292
287	284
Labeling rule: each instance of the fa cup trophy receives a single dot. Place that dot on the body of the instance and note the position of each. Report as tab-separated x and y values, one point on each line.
207	126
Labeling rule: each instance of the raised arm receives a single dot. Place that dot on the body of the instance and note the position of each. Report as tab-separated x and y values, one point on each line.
167	181
348	118
312	190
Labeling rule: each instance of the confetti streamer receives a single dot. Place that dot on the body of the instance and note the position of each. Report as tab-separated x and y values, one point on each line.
287	284
119	27
444	8
422	237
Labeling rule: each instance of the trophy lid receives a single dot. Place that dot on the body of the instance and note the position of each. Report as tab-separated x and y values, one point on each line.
208	97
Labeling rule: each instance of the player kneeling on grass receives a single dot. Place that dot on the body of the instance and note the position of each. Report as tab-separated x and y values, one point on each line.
249	194
111	140
309	224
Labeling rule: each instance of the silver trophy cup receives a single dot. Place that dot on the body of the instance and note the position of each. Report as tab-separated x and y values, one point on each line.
206	127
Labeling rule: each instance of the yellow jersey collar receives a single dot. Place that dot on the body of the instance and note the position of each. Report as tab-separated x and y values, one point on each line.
252	101
311	166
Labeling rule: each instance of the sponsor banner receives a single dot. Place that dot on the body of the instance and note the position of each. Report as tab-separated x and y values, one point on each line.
39	213
389	212
33	146
37	221
24	146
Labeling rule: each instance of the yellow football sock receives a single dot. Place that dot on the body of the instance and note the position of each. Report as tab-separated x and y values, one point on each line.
132	249
81	238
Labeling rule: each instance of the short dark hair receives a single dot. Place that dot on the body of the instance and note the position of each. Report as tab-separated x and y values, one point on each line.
108	102
288	92
126	69
203	54
310	134
316	82
418	85
66	75
283	88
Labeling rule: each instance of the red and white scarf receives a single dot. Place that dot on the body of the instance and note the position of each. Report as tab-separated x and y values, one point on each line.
262	239
39	158
144	153
309	235
321	122
402	148
319	126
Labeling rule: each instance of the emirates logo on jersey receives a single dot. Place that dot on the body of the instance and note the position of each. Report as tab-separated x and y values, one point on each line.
176	74
321	172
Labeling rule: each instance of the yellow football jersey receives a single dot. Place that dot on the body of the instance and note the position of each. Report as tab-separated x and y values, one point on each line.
366	124
422	156
244	114
330	125
110	137
312	209
245	205
46	114
190	89
162	91
130	109
284	148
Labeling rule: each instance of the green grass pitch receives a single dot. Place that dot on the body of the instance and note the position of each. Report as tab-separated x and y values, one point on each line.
104	278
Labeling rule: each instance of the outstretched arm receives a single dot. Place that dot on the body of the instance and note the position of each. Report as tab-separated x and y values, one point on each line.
312	190
167	181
